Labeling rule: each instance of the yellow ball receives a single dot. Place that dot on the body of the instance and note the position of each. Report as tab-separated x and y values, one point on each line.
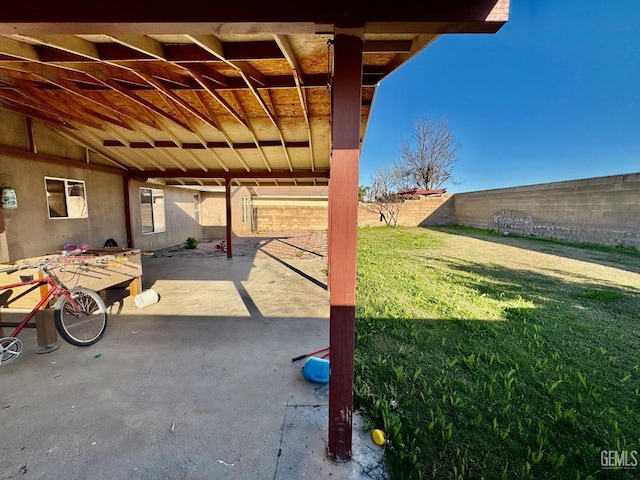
378	437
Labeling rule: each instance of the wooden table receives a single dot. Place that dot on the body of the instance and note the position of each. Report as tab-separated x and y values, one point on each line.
99	270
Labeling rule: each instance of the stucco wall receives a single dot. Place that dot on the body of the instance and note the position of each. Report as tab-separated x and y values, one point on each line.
424	211
237	225
603	210
29	230
179	218
214	213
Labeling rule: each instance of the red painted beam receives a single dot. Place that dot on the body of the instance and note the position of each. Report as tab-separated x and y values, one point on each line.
342	243
176	173
127	213
308	17
227	195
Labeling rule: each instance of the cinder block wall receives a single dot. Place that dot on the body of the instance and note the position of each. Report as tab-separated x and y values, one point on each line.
290	218
427	211
603	210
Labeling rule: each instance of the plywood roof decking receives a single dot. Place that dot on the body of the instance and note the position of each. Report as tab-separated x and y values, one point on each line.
174	94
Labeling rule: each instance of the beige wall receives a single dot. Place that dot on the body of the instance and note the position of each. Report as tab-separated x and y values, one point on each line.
239	227
214	212
28	230
179	218
424	211
603	210
291	218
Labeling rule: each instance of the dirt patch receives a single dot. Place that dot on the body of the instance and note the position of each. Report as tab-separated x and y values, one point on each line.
563	261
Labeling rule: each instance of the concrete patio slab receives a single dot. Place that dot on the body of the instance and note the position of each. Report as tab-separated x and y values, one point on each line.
199	385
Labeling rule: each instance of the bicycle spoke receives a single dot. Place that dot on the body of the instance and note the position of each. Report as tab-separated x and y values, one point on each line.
10	349
81	319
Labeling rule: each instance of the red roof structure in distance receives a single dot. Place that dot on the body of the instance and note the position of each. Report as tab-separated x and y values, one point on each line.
415	193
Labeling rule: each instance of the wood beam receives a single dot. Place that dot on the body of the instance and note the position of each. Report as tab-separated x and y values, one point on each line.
278	16
343	223
18	49
286	47
178	100
215	47
141	156
39	157
387	46
86	49
189	121
190	173
30	98
127	212
33	148
141	101
227	196
84	142
30	112
222	132
419	43
67	80
142	44
160	151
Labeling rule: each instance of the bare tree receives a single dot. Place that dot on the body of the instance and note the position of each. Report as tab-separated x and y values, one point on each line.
426	161
382	196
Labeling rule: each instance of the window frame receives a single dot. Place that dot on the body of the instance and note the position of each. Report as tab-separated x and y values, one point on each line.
153	192
197	208
66	182
246	203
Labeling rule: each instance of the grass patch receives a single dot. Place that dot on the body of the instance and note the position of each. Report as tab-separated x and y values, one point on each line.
478	364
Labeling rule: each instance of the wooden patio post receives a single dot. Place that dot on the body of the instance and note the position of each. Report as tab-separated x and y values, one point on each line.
343	223
227	196
127	212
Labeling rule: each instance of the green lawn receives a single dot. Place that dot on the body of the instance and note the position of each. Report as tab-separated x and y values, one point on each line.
483	356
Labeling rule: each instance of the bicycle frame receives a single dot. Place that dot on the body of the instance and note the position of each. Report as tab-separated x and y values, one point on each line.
55	290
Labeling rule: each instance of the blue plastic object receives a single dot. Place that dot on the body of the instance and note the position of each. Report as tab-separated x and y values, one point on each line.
316	370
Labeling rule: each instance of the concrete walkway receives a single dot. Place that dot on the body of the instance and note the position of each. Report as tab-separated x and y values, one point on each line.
198	386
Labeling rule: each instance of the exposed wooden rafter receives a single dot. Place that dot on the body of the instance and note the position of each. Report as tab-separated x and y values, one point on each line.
216	96
285	45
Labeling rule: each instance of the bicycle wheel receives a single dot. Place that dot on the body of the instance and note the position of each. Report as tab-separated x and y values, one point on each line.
83	326
10	349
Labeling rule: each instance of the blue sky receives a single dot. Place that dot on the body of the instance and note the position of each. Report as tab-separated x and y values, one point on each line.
554	95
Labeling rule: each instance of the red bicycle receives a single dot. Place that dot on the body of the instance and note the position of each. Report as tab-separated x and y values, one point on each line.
80	315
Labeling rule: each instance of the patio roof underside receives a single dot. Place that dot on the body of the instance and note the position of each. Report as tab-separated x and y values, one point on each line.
198	94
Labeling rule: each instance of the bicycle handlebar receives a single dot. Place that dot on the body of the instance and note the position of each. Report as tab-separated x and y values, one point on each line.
9	269
41	264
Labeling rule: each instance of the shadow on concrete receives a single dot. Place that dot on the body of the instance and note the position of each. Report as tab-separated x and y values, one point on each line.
297	270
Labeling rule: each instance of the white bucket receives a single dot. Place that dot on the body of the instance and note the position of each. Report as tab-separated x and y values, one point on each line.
146	298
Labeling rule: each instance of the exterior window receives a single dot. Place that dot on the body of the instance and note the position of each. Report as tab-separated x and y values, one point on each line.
66	198
152	209
196	208
245	209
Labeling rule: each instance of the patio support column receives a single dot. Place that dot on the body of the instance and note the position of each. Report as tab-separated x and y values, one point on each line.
343	222
127	211
227	196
